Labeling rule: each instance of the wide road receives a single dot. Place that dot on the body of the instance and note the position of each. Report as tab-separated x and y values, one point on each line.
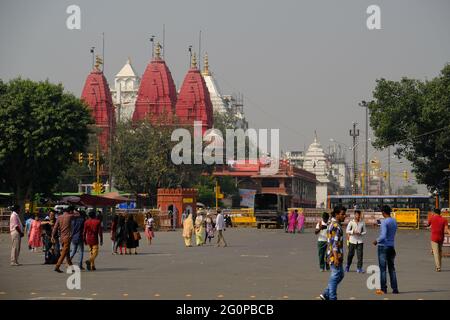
257	264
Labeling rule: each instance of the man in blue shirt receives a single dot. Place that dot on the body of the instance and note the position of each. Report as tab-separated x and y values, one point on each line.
386	251
77	243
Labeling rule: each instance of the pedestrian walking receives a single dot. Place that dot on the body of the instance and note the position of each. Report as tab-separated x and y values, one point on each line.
149	223
321	231
284	220
121	235
92	233
335	254
114	223
51	252
63	226
35	237
300	222
439	227
209	228
292	221
356	229
77	243
199	230
220	227
386	251
28	221
16	231
133	235
188	229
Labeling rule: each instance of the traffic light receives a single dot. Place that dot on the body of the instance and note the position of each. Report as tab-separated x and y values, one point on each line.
80	158
90	159
98	187
405	175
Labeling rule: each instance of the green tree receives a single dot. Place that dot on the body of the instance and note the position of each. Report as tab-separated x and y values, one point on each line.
142	160
414	116
41	129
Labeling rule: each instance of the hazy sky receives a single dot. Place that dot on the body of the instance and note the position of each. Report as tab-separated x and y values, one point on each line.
301	65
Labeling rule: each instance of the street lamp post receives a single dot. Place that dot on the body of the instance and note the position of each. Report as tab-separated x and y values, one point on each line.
364	104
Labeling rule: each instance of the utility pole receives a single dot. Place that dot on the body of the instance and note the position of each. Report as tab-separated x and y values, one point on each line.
354	133
364	104
389	171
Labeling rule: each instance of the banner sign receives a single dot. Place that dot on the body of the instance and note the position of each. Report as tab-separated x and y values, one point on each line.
247	197
407	218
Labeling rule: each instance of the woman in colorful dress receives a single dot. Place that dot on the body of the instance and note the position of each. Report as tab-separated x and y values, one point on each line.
209	227
199	230
292	222
149	221
300	222
35	240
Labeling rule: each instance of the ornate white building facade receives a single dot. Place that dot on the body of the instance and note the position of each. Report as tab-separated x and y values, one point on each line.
124	93
316	161
224	103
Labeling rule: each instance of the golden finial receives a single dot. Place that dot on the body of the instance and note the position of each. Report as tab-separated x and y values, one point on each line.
194	61
206	66
98	62
158	51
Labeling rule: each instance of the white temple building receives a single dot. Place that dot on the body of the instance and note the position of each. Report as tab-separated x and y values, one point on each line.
315	161
124	93
223	103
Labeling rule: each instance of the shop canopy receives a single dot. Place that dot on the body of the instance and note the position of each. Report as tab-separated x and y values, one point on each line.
88	200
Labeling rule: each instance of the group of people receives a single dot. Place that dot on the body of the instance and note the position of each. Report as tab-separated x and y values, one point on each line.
204	228
293	221
331	248
124	234
61	236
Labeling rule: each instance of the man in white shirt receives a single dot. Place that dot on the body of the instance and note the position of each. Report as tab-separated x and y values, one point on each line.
321	231
356	229
220	227
16	230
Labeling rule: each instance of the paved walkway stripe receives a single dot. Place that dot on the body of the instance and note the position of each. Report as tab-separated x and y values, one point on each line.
220	296
188	295
285	297
157	295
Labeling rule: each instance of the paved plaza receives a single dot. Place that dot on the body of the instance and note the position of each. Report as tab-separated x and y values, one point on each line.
258	264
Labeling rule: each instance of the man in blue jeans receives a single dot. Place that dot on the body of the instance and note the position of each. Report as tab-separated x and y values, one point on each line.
386	251
77	243
335	253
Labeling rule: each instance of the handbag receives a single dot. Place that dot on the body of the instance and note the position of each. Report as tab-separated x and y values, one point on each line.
137	236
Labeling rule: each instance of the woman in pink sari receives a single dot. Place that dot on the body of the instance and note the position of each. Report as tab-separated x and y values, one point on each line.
35	240
300	222
292	218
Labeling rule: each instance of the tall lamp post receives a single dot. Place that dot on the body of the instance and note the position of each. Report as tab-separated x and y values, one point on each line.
364	104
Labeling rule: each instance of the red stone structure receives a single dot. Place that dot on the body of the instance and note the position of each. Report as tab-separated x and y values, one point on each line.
182	199
97	96
194	102
157	95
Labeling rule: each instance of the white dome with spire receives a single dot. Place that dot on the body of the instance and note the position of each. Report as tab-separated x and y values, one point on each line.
316	161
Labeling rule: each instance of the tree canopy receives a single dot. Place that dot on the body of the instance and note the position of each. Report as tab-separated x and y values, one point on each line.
414	116
41	129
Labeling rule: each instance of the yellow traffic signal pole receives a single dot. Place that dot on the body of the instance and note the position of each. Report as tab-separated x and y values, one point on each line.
98	168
